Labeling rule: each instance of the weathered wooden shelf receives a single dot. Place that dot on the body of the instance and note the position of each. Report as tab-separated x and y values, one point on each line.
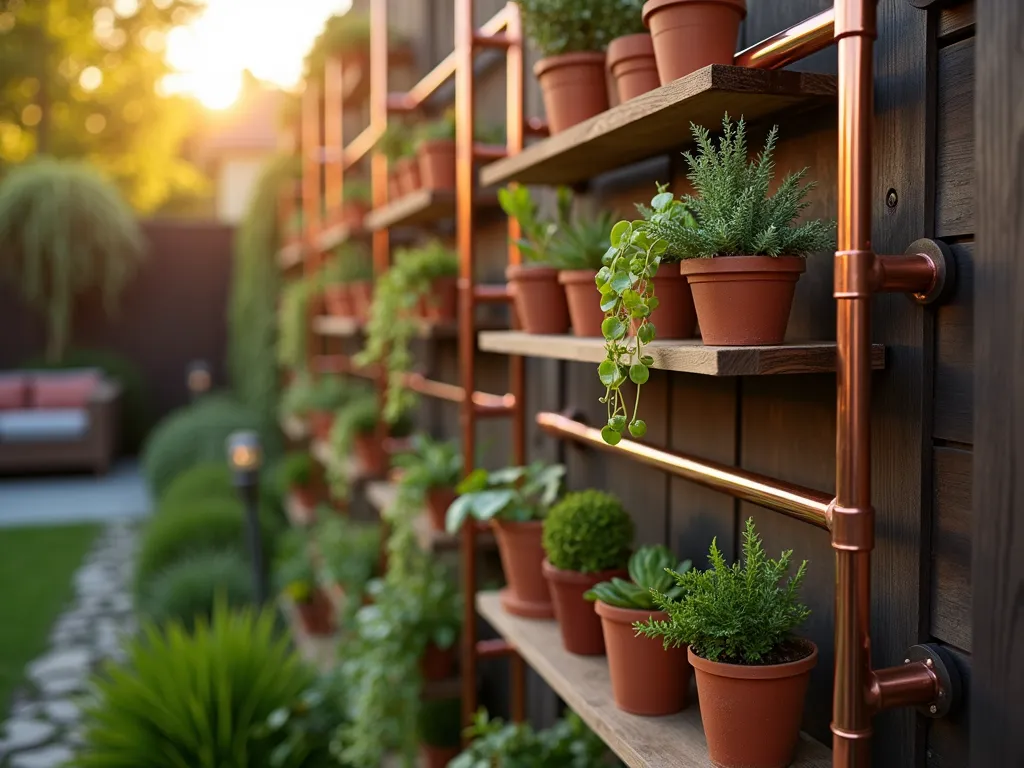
421	207
382	495
336	234
675	741
685	355
659	121
290	255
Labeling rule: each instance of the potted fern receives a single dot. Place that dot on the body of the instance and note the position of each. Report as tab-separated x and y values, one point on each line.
587	537
631	59
432	468
514	501
350	265
690	34
752	672
744	251
647	677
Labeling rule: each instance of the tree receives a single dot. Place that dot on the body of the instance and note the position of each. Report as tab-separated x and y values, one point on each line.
81	78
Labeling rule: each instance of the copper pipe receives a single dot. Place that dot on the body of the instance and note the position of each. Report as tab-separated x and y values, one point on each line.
914	273
489	152
495	40
379	122
361	145
536	126
909	685
310	166
456	394
797	42
853	516
334	174
794	501
491	294
491	649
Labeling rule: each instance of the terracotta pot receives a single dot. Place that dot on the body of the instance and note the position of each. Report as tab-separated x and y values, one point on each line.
320	423
574	88
338	300
352	214
743	300
305	495
752	714
538	298
584	301
438	501
580	625
371	455
690	34
437	164
631	62
437	757
441	305
675	317
394	185
408	175
521	552
437	663
647	678
361	293
317	615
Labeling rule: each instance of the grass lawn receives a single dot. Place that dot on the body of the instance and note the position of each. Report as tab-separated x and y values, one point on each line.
36	570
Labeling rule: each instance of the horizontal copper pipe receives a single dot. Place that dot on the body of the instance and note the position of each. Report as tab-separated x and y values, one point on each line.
490	649
793	44
536	126
488	294
489	152
361	145
909	685
906	273
456	394
344	364
498	40
804	504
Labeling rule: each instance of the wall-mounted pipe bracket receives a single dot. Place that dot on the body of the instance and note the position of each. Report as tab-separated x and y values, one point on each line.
945	270
928	679
926	271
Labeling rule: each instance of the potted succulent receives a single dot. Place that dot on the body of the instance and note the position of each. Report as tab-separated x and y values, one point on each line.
690	34
631	54
572	72
647	677
744	250
514	501
298	478
440	731
433	468
436	152
578	251
587	537
752	671
349	266
357	200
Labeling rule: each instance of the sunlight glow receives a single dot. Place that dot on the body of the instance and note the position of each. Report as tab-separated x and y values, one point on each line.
210	54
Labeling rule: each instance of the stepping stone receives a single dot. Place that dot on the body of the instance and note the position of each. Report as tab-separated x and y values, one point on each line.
62	711
61	664
48	757
24	733
62	687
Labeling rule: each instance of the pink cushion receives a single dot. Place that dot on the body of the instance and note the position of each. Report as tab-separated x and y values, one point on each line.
64	390
13	392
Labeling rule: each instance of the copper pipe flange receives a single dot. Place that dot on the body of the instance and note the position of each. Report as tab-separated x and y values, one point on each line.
939	661
944	265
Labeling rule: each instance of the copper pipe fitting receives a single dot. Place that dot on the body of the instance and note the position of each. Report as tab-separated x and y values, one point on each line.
916	683
497	40
489	152
490	294
492	649
536	126
797	42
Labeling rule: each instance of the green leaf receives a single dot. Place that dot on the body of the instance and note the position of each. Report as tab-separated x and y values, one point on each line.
622	229
608	372
603	276
639	373
617	422
658	247
646	333
610	436
630	298
609	303
621	281
653	303
640	311
638	427
613	328
662	201
647	360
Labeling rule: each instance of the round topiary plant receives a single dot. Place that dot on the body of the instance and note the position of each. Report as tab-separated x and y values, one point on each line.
588	531
210	480
187	590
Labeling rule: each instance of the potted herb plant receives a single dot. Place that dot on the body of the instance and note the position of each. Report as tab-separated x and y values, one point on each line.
440	731
587	538
690	34
752	671
647	678
436	152
744	255
514	501
356	202
433	468
566	744
356	430
434	274
298	478
572	72
294	572
394	145
328	393
631	54
350	265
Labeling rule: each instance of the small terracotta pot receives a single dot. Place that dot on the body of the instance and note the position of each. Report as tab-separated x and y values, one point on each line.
352	214
317	615
408	175
743	300
437	663
632	65
690	34
438	501
752	714
647	678
437	164
437	757
441	304
305	495
538	298
521	552
584	301
371	455
320	423
361	294
580	625
675	317
573	86
338	300
394	185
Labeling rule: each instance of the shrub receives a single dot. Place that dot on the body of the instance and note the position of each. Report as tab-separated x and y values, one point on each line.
588	531
197	699
567	26
430	464
187	590
566	744
297	470
210	480
739	614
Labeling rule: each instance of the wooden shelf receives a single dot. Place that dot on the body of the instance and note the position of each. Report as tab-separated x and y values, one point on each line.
423	206
290	256
348	327
337	234
686	356
659	121
675	741
382	495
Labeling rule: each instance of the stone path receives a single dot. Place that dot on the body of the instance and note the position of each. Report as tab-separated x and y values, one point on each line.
43	728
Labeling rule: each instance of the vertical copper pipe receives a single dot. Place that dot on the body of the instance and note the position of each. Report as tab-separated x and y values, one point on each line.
853	516
333	143
464	120
378	162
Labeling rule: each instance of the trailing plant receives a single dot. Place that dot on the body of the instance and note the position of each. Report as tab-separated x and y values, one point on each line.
566	744
198	698
349	263
360	416
650	572
430	464
570	26
298	469
357	190
740	614
65	230
513	494
187	590
567	241
350	556
293	319
588	531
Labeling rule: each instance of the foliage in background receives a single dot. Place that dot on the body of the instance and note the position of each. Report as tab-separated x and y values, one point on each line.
202	482
350	556
515	494
566	744
297	469
65	230
357	190
430	464
293	322
568	241
588	531
196	699
440	723
360	416
737	614
569	26
395	142
293	570
255	283
306	394
77	80
650	571
350	263
186	590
